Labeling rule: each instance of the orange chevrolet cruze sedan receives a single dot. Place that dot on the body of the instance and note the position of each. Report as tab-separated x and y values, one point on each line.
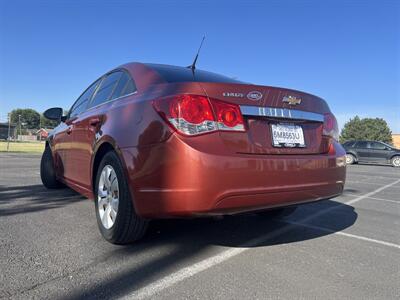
152	141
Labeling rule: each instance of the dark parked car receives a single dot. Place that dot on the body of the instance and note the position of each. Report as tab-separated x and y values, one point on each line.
155	141
371	152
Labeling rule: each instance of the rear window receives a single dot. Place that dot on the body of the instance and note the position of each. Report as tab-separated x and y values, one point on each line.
377	146
361	145
181	74
124	87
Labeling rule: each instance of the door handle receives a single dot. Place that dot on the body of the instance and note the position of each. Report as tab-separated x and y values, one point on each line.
69	130
94	121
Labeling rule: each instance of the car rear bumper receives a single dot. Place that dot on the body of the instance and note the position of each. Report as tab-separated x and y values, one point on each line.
173	179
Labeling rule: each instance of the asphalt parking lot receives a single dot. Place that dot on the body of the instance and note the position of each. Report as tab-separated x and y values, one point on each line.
347	247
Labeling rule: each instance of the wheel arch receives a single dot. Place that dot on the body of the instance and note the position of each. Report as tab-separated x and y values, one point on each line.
354	154
392	157
105	145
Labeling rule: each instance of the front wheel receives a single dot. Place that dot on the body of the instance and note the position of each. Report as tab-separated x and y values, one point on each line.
395	161
350	159
115	213
47	171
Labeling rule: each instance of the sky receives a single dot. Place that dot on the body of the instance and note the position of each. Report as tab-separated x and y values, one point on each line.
347	52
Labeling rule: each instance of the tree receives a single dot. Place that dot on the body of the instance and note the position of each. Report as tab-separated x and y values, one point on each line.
29	118
46	123
375	129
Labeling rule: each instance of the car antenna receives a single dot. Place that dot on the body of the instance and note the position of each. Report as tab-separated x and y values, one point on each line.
193	65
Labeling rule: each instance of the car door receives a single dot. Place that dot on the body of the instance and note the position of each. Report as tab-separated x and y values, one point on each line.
378	152
87	126
362	150
70	147
61	142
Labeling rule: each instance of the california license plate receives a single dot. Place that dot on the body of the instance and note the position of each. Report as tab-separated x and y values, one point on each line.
287	135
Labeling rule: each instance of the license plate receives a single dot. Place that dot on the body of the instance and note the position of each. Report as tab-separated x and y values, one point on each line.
287	135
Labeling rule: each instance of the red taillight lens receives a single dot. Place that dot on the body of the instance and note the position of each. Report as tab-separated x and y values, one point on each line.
330	126
194	114
228	116
193	109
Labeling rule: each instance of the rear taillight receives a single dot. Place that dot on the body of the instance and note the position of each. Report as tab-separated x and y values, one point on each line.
194	114
228	116
330	126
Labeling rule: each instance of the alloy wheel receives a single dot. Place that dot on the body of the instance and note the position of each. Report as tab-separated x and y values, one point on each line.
396	161
108	196
349	159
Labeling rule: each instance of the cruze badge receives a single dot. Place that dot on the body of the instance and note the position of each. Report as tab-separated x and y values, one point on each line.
291	100
231	94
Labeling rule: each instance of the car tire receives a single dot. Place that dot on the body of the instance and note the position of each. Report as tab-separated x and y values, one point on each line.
47	171
395	161
115	213
350	159
278	212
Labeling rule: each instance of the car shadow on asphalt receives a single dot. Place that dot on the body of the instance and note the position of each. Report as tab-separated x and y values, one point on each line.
352	191
32	198
194	239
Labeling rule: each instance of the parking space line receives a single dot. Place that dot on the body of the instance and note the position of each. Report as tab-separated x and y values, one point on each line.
350	202
359	237
368	183
187	272
359	198
358	172
366	177
361	181
374	198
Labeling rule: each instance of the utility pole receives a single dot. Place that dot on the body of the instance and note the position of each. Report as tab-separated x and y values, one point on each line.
40	127
9	130
19	123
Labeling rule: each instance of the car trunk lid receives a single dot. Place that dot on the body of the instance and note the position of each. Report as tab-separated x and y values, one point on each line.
266	108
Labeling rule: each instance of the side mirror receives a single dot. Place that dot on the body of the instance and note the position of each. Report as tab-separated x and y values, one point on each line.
55	113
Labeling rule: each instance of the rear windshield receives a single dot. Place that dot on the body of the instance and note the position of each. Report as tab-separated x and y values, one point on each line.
181	74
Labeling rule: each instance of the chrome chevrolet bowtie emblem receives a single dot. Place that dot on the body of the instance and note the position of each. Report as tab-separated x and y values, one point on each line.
291	100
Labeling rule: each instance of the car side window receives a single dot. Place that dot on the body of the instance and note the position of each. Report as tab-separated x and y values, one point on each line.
106	88
125	86
81	104
377	146
361	145
349	144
